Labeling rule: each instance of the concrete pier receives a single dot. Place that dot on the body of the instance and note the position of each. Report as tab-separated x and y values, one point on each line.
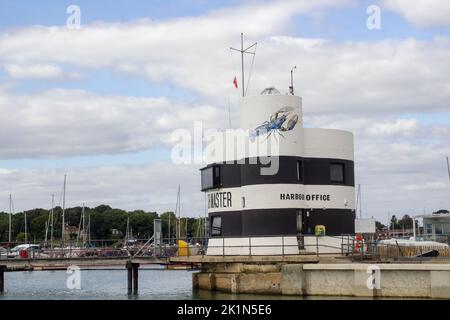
309	278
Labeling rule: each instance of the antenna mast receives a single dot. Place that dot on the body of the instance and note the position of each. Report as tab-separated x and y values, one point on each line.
448	169
242	51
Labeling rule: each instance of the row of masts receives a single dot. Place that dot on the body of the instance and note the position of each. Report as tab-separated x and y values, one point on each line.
85	222
83	231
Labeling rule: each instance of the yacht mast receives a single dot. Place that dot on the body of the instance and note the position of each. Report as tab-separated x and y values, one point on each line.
10	215
127	231
177	210
84	225
170	238
63	231
26	229
51	222
89	229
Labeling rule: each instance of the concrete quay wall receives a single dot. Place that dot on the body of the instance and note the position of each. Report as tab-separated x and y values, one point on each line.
350	279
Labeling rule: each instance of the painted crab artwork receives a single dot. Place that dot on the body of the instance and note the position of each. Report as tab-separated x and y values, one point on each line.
282	120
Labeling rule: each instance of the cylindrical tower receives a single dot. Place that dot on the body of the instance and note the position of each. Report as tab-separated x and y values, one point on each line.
271	183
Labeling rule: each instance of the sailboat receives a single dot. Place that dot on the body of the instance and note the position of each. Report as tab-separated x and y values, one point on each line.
22	250
130	242
63	250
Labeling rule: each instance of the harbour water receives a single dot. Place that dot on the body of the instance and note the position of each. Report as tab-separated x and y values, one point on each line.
110	284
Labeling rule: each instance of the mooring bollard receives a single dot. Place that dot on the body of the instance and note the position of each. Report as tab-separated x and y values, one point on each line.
133	277
2	279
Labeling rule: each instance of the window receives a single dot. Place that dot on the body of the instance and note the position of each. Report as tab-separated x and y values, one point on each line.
211	178
428	228
216	176
299	170
270	90
216	226
446	228
438	228
337	172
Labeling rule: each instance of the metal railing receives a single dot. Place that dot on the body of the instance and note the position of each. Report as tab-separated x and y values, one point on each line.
344	245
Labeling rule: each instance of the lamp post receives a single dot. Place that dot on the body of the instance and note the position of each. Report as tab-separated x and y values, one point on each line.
291	88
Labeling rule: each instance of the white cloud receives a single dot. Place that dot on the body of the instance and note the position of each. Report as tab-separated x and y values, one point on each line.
381	76
148	187
369	88
398	127
423	13
62	123
183	51
6	171
436	185
39	72
399	173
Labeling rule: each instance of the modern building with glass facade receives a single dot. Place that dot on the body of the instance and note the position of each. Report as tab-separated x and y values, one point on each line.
436	227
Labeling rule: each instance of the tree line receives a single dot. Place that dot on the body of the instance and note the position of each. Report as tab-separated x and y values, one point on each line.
105	223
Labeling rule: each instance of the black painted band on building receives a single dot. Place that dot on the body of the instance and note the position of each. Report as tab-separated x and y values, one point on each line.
292	170
276	222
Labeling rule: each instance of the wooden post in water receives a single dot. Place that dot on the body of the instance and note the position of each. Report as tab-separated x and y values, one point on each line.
2	279
133	277
130	277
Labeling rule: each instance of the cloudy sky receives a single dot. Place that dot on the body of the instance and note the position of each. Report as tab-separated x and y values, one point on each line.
100	102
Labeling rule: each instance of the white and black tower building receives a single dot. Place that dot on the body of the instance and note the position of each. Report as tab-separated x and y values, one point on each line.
311	184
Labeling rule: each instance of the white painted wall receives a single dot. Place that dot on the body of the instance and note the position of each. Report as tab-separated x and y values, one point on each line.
267	196
255	245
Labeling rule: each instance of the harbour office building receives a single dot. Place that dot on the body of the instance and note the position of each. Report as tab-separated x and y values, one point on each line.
310	181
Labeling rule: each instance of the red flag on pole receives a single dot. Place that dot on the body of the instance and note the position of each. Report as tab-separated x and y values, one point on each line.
235	82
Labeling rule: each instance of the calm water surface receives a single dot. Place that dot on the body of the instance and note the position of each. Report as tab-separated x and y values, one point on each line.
154	284
109	284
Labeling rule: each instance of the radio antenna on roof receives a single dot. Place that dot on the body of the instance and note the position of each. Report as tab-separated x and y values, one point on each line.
242	51
448	169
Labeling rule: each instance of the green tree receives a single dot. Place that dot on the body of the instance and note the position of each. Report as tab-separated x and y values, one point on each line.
379	225
165	218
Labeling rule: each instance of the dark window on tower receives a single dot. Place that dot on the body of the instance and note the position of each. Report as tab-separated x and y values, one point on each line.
337	173
217	180
211	178
216	226
299	170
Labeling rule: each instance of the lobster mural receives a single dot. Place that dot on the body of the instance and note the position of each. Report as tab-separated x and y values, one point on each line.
282	120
